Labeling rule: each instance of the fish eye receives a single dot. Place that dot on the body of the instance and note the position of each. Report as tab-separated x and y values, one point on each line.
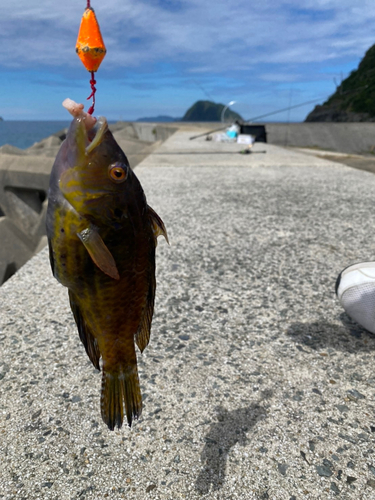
117	172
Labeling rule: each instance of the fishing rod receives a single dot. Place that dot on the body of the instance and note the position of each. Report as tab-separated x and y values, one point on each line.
260	116
283	109
302	104
207	133
277	111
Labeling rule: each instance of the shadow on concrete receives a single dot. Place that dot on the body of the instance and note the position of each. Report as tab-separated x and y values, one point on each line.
319	335
10	269
230	429
361	163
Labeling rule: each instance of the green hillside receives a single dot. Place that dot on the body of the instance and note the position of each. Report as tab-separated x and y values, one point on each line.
354	99
207	111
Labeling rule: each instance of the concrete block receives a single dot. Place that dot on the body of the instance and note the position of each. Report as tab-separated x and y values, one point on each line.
152	132
12	150
127	129
130	145
23	203
135	149
25	171
46	147
43	242
23	189
15	249
48	142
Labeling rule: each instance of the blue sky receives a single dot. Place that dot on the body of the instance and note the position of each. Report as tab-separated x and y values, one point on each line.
163	55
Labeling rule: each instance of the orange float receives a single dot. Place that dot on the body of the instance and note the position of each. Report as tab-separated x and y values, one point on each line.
90	47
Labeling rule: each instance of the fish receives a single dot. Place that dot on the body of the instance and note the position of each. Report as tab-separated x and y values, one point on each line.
102	237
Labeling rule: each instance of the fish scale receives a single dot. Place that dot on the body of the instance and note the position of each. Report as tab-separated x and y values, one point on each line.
102	238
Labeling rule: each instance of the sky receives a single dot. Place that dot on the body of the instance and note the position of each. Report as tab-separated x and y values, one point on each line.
164	55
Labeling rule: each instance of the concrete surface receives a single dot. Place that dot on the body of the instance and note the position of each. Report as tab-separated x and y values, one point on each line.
256	385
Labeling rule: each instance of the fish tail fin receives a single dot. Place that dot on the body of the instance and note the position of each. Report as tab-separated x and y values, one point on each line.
131	393
119	387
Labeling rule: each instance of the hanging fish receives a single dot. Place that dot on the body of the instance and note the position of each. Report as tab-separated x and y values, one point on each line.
102	237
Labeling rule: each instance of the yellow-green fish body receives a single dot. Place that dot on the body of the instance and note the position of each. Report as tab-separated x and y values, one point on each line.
102	240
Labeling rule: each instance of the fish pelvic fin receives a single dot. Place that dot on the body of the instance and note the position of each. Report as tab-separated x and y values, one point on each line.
157	224
142	337
99	252
120	387
87	338
51	256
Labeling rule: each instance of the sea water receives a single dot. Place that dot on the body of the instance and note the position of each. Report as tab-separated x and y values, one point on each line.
24	134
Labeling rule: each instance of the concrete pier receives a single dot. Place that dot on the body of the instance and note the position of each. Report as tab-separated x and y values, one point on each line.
256	385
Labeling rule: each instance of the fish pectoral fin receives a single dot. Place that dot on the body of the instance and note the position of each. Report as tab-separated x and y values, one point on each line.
142	337
99	252
87	338
157	224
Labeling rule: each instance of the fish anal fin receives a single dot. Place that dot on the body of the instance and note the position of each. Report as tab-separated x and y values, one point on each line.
87	338
157	224
119	387
142	337
99	252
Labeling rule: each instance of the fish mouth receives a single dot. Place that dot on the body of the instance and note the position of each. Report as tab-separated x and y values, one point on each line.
76	181
86	141
96	135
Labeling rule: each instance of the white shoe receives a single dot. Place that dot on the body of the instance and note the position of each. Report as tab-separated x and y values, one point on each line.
355	289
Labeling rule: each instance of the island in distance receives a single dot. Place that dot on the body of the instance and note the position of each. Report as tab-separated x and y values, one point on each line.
201	111
159	118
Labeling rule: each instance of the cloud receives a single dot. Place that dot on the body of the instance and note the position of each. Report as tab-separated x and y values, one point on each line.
211	36
215	48
280	77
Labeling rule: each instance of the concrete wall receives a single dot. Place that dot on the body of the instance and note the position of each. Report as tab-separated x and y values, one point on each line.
351	138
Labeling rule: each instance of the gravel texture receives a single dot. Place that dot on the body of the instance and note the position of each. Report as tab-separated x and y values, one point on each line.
256	385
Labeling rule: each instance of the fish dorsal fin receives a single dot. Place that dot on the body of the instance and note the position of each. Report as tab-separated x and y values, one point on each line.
99	252
157	224
142	337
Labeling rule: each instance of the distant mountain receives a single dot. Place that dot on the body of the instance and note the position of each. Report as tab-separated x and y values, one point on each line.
208	111
160	118
354	99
